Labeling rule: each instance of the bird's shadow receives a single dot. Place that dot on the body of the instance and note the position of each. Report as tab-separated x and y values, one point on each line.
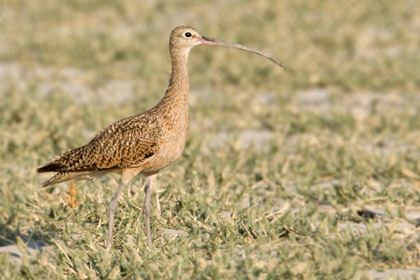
34	240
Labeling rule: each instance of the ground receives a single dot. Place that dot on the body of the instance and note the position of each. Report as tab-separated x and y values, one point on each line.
309	173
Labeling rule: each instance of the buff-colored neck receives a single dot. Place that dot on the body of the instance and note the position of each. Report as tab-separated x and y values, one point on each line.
179	87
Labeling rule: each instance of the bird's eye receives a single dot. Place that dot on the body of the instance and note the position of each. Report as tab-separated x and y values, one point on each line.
188	34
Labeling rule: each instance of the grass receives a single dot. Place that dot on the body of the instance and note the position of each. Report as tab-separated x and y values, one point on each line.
342	123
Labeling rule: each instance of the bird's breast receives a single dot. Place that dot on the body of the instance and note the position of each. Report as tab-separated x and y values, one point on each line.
174	135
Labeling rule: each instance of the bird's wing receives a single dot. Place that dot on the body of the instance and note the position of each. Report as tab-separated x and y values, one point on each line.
126	143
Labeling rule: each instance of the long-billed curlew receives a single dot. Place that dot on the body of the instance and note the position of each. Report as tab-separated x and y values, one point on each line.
144	143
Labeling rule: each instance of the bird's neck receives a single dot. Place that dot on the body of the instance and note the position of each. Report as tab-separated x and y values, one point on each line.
179	86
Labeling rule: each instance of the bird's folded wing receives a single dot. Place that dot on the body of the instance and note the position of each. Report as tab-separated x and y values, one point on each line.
121	145
127	150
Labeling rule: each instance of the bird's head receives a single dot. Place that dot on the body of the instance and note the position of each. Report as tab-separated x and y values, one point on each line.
183	38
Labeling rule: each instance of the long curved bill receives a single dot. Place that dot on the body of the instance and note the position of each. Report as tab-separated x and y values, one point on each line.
214	42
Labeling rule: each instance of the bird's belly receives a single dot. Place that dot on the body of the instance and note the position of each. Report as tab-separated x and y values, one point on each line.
168	153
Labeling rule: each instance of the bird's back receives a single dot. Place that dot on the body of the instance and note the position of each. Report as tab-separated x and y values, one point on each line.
152	140
124	144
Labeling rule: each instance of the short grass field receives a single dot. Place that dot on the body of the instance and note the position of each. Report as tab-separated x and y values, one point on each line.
312	173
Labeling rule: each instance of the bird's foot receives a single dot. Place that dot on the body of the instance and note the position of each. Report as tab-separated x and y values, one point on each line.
158	205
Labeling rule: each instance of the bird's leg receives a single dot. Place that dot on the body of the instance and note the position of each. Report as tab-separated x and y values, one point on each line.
113	205
72	192
150	183
157	202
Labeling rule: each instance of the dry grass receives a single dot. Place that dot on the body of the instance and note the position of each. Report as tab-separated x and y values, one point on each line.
277	164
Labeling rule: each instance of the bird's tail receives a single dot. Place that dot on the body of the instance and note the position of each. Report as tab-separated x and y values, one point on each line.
50	167
57	178
74	176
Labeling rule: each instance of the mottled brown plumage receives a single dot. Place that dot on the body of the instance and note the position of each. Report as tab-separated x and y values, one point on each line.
144	143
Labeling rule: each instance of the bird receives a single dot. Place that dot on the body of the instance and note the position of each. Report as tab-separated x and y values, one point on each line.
144	143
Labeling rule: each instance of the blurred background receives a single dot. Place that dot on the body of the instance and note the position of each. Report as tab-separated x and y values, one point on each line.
345	113
93	62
